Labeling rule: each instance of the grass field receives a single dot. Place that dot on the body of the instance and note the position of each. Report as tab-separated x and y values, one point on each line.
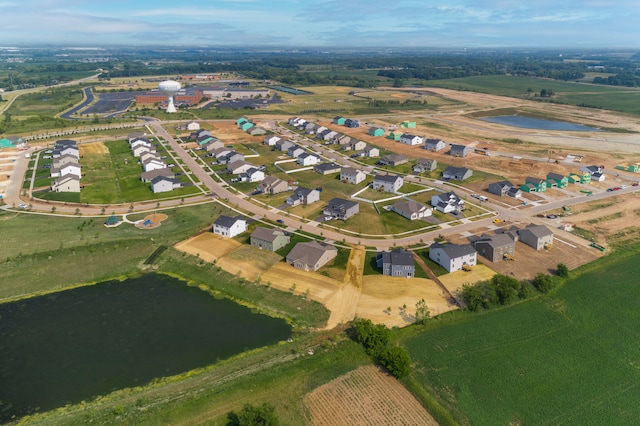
606	97
569	358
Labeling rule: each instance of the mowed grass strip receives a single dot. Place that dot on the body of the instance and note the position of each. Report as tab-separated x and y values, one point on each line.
570	358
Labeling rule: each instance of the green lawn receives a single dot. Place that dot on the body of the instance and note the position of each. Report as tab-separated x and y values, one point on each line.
570	358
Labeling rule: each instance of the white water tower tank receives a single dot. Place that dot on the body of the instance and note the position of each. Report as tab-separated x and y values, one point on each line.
170	88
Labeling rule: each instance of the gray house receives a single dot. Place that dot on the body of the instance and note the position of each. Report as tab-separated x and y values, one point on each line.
434	145
425	165
269	239
457	173
505	188
388	183
311	256
412	210
339	208
460	150
536	236
327	168
393	160
303	196
396	263
272	185
496	247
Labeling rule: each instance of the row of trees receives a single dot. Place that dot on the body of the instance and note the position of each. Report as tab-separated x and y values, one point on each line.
502	290
376	342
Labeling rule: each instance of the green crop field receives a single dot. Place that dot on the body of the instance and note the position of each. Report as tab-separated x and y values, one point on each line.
607	97
569	358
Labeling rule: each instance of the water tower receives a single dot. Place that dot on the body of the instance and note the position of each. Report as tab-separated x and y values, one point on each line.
170	88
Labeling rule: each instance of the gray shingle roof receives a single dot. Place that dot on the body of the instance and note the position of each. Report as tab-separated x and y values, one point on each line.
454	250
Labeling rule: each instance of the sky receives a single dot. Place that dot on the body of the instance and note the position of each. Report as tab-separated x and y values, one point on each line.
328	23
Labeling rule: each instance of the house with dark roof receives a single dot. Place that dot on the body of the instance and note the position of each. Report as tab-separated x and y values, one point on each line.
425	165
253	174
327	168
393	160
409	139
283	145
447	202
502	188
371	151
269	238
351	175
311	255
460	150
228	226
536	236
434	145
270	140
164	184
295	151
596	172
453	257
339	120
410	209
375	131
339	208
349	122
303	196
496	247
396	263
147	176
240	166
555	180
388	183
533	184
457	173
307	159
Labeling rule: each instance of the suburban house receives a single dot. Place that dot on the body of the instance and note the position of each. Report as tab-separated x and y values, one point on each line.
355	145
227	226
272	185
371	151
310	128
65	159
148	176
555	180
153	164
460	150
220	154
536	236
349	122
311	255
409	139
388	183
140	149
327	168
269	239
339	120
149	155
425	165
496	247
231	157
238	167
246	126
295	151
240	121
351	175
533	184
453	257
283	145
213	144
303	196
396	263
164	184
342	209
504	188
66	183
395	136
447	202
294	121
375	131
582	177
596	172
136	135
270	140
60	151
307	159
434	145
66	169
412	210
457	173
327	136
192	125
408	124
252	175
393	160
256	131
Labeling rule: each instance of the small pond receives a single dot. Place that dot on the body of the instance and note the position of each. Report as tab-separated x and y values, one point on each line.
78	344
537	123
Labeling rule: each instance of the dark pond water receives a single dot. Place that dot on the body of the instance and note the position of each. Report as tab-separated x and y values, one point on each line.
77	344
536	123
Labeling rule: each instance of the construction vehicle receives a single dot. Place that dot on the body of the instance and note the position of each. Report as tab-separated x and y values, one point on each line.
548	246
466	268
508	256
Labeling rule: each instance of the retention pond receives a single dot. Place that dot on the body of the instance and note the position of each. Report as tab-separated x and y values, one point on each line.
74	345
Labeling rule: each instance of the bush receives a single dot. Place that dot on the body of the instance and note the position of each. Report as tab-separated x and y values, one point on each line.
543	283
562	270
250	415
396	360
374	338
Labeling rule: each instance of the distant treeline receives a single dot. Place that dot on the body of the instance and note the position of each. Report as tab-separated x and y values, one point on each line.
627	80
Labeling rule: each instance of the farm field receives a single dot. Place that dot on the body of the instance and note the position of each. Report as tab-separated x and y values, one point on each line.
565	358
366	396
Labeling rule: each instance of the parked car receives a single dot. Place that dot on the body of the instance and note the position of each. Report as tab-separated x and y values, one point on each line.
23	206
280	221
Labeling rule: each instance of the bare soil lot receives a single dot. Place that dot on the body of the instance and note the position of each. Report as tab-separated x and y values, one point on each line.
93	148
208	246
366	396
248	261
455	280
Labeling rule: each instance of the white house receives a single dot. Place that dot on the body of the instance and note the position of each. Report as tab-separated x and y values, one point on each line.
388	183
67	169
270	140
238	167
66	183
307	159
149	155
229	226
371	151
412	210
351	175
453	257
252	175
153	164
447	202
164	184
434	145
193	126
408	139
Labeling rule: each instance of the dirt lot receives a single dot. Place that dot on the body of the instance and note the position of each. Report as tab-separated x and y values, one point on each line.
208	246
249	261
366	396
455	280
283	276
380	292
229	133
93	148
